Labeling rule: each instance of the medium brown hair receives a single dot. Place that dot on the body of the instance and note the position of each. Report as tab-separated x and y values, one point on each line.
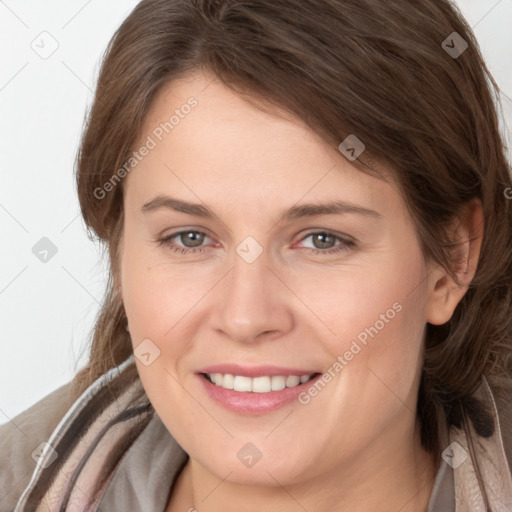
365	67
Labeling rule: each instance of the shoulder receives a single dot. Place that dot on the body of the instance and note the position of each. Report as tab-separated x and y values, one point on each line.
21	436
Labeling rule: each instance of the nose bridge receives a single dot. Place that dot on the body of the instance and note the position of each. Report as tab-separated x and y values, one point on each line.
250	302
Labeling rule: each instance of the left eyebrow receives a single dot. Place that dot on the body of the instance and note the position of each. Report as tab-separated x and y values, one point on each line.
292	213
328	208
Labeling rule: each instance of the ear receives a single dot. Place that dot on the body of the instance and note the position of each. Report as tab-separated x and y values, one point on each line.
444	293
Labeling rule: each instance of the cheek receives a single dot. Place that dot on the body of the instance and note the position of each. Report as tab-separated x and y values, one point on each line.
379	303
156	303
376	315
156	297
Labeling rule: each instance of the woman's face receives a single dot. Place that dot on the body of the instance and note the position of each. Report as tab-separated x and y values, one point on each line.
257	282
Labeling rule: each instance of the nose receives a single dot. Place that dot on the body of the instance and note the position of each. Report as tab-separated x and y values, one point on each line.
252	303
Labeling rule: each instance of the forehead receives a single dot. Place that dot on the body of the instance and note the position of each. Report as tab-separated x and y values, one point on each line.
210	142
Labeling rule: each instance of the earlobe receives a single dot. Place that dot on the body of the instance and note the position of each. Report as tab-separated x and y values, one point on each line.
444	291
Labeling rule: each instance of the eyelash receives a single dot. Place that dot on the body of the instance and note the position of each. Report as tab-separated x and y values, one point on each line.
344	246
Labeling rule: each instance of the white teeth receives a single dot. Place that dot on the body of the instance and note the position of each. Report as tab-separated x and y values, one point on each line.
292	380
228	381
278	382
242	383
257	384
261	385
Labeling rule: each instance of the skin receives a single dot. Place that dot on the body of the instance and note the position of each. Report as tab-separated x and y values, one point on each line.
356	445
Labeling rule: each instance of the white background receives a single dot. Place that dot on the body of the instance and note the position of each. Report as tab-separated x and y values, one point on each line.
47	309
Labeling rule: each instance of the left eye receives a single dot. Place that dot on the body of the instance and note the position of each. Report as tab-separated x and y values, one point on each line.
324	242
194	238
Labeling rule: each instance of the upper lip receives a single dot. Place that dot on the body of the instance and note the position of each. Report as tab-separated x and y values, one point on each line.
254	371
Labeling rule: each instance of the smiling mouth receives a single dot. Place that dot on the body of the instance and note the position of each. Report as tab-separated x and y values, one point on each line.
264	384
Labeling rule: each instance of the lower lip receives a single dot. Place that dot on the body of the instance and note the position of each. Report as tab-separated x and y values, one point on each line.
253	404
